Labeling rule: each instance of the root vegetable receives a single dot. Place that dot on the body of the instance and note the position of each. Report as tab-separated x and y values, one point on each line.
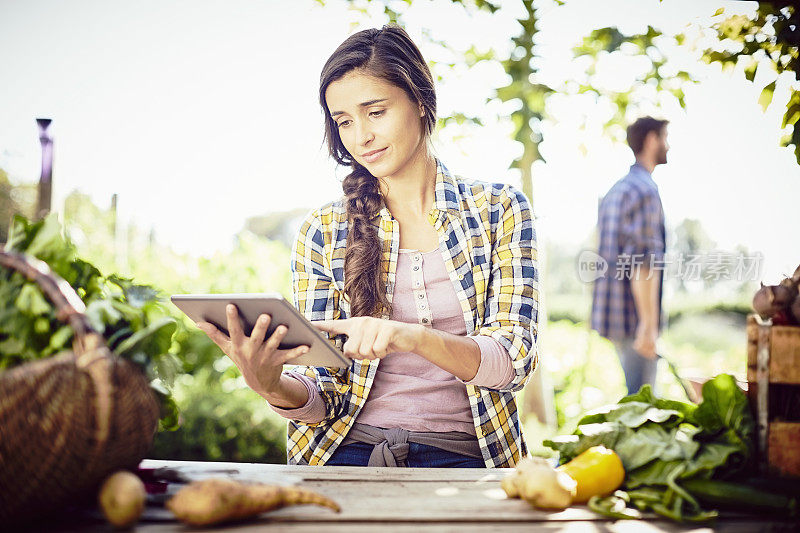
779	302
122	498
785	292
215	500
770	300
538	483
774	302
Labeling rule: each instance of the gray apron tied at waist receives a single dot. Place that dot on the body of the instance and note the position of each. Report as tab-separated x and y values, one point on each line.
391	445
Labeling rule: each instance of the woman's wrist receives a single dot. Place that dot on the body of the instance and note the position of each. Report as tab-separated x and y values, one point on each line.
459	355
420	335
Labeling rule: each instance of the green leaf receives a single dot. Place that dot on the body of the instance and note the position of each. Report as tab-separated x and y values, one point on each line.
635	414
169	418
724	405
160	333
139	295
681	444
766	96
645	395
792	110
643	497
750	70
31	301
41	325
47	238
719	11
167	366
11	346
614	506
712	455
21	233
101	314
59	339
637	448
588	435
85	275
653	473
117	336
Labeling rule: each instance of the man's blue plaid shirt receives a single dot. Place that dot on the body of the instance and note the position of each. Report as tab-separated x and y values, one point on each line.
487	238
630	223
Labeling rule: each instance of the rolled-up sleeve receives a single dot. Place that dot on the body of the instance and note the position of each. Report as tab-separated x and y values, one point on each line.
511	310
317	298
496	369
313	412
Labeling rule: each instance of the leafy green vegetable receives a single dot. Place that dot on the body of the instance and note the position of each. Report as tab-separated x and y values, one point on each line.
662	443
614	506
133	318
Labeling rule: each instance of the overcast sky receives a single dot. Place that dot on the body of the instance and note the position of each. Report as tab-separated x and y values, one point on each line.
200	114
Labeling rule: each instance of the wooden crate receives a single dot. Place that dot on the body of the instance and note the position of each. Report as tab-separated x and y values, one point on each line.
773	376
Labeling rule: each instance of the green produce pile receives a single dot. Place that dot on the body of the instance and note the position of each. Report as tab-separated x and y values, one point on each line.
682	461
132	318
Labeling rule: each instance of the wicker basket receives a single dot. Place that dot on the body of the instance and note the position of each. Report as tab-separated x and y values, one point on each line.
68	421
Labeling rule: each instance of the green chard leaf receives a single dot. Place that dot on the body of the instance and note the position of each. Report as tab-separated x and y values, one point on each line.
635	414
724	406
588	435
157	335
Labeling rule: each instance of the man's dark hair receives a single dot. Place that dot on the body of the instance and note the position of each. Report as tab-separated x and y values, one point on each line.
637	132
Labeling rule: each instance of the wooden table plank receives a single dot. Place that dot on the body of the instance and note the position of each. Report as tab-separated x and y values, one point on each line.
621	526
404	499
409	494
344	473
405	494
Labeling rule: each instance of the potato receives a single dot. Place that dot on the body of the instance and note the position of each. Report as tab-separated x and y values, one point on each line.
122	498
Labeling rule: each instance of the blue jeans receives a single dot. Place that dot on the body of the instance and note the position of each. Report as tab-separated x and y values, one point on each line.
638	369
419	456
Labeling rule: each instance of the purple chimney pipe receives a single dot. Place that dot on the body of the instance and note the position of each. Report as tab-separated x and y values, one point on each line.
46	180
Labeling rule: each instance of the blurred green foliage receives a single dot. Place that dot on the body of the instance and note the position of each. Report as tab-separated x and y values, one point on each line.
220	418
14	199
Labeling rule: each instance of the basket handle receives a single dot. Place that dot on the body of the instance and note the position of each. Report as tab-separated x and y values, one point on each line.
69	306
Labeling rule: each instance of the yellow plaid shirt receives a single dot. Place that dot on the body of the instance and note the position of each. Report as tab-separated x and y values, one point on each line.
487	236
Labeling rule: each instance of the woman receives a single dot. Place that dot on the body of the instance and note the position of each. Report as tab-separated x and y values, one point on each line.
431	278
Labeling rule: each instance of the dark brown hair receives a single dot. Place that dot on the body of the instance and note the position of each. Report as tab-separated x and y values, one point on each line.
637	132
391	55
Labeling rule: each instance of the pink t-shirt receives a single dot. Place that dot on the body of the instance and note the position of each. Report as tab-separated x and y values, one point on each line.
408	391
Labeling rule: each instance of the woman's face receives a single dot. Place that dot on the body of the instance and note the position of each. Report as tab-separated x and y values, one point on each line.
371	114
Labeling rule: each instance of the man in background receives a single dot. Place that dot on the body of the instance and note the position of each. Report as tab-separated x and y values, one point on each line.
626	302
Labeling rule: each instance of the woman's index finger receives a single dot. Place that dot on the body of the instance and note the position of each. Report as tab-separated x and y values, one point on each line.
332	326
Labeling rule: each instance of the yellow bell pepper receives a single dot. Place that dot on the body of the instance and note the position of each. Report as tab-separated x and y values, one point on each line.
597	471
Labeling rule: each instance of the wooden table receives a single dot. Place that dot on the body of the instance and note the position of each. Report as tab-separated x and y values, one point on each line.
407	499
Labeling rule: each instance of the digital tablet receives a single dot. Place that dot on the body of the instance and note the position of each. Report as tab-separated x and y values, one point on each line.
211	308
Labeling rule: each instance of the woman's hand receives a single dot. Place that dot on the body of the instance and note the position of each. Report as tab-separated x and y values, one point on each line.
374	338
261	363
